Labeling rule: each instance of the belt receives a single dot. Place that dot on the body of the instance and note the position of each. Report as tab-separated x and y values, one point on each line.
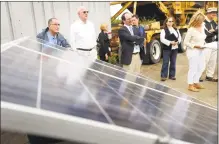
211	41
84	49
135	53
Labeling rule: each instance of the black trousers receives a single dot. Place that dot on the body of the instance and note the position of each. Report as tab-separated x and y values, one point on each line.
169	63
103	58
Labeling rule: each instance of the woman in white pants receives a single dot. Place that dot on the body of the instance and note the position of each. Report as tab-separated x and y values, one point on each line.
194	41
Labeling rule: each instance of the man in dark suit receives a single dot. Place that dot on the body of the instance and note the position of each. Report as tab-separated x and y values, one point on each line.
130	44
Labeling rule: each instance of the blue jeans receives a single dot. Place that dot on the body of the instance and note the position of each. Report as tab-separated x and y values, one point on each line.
169	56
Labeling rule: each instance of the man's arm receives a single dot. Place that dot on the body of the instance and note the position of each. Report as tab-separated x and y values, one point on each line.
65	43
40	36
209	33
138	32
124	35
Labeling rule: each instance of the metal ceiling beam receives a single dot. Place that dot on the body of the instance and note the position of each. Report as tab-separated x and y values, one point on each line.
115	3
121	10
135	7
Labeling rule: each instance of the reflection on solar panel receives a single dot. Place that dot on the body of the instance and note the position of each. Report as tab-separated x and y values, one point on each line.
59	93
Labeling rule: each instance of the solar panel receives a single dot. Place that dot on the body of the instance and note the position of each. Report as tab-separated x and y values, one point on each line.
59	93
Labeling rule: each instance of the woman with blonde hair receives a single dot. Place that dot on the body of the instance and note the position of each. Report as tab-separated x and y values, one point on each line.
194	42
104	42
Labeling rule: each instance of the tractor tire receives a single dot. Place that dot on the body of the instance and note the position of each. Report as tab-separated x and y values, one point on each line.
154	51
182	49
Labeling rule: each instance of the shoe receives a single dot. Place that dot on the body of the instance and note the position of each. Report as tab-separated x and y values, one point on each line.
211	79
201	80
198	86
172	78
163	79
192	88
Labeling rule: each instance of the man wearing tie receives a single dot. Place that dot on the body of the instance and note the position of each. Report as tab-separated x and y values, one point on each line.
130	44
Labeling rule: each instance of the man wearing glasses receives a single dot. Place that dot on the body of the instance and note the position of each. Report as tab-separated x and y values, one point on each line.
51	37
82	35
51	34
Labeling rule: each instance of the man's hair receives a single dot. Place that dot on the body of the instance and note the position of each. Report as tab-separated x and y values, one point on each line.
136	16
123	16
50	20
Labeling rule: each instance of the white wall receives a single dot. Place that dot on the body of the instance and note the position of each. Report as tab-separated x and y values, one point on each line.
20	19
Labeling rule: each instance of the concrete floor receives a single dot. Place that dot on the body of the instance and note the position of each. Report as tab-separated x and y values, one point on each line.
208	95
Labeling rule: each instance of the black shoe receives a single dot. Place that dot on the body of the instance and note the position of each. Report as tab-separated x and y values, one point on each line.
211	79
201	80
163	79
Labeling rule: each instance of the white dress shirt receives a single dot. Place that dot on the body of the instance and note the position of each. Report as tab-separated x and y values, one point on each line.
167	42
136	47
82	35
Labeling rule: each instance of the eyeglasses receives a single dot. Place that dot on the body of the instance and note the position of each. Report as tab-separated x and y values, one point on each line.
85	12
55	24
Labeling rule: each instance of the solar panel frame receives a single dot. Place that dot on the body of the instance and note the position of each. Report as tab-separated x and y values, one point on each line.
26	119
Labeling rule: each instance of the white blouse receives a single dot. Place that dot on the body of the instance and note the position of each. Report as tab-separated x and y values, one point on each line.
194	37
167	42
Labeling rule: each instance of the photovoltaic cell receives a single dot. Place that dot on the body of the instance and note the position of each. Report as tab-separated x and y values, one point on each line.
68	83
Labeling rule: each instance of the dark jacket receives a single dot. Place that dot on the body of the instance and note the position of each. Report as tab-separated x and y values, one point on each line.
167	36
141	33
127	43
61	41
104	42
211	36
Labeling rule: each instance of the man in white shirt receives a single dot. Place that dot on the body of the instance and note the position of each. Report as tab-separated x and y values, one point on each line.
211	32
82	36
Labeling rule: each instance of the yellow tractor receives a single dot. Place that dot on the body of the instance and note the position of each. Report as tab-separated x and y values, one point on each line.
182	12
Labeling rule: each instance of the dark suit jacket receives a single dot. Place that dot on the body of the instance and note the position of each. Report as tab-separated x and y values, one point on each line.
127	43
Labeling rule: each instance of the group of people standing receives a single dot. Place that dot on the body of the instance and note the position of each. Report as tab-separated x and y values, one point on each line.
202	30
200	42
